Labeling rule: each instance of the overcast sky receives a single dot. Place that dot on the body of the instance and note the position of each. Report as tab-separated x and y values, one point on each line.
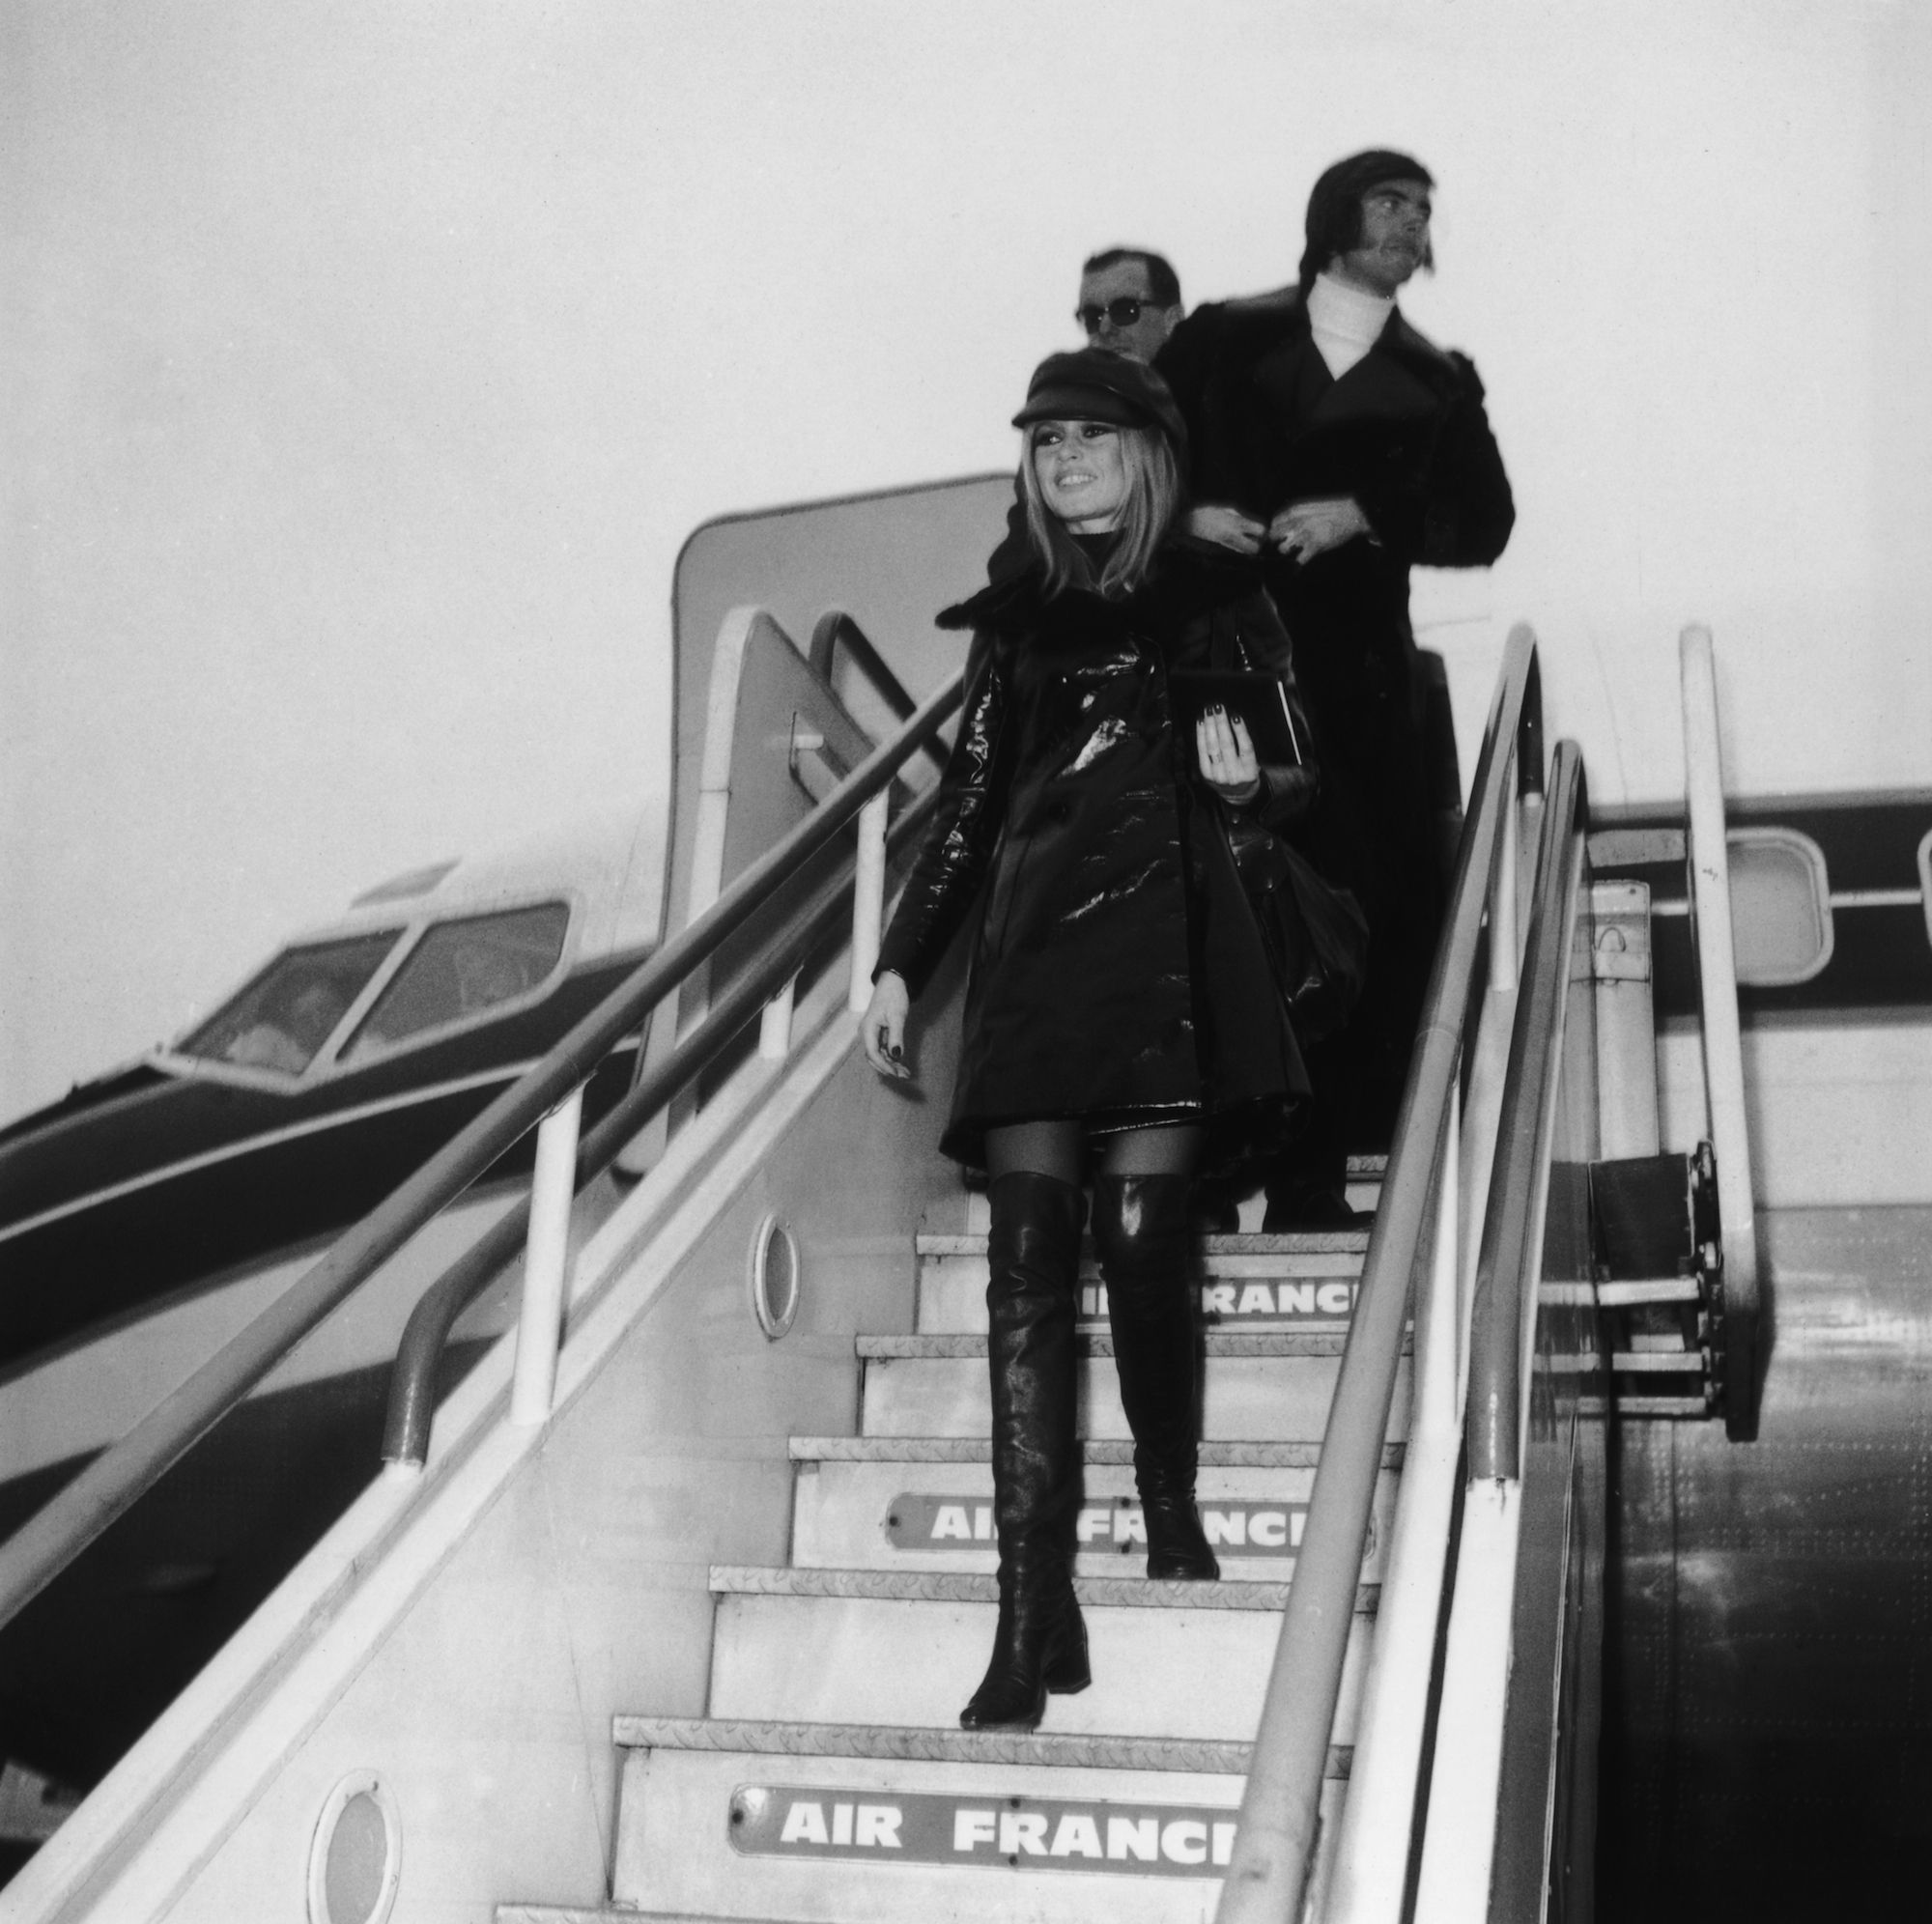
367	366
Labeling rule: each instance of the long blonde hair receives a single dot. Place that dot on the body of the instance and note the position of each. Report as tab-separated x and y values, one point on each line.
1153	500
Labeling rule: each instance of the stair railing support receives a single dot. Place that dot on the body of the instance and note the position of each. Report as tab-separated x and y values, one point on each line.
774	1024
868	900
540	1325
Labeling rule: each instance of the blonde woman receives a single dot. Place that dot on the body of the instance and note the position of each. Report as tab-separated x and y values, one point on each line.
1119	1020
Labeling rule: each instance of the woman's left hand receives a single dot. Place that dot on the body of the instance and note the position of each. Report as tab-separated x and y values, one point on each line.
1227	763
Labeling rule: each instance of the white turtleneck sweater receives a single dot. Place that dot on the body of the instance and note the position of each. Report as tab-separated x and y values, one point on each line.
1345	321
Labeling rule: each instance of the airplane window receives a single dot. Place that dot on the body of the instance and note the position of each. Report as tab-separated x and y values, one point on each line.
290	1008
464	967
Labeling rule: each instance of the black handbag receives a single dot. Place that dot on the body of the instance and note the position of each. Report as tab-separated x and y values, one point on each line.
1316	936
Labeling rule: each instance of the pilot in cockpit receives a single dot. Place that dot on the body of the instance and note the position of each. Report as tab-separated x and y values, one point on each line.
288	1034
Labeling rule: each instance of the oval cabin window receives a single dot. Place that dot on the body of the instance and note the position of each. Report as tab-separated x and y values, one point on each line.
356	1861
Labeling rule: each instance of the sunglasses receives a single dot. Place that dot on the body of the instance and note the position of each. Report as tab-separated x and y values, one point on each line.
1122	312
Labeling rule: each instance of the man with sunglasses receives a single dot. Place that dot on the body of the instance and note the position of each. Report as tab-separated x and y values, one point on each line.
1330	437
1129	301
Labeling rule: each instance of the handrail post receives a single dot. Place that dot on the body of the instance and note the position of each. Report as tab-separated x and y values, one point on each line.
774	1024
868	899
1708	860
542	1320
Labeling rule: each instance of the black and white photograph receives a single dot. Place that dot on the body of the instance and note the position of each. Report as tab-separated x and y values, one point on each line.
965	963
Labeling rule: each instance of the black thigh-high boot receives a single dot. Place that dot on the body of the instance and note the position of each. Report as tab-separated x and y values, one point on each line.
1034	1261
1140	1228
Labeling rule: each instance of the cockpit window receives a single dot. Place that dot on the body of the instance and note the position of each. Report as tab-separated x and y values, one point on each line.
464	967
293	1007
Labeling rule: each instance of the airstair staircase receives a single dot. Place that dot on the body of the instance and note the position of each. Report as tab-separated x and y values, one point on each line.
539	1577
829	1779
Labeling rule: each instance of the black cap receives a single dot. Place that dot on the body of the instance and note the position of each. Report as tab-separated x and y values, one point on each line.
1099	385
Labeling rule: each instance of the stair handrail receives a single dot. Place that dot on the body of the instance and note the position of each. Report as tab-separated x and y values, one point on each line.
1275	1844
1503	1305
834	632
84	1508
1456	1877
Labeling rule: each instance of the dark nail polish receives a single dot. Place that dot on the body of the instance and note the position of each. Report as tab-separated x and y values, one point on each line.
897	1053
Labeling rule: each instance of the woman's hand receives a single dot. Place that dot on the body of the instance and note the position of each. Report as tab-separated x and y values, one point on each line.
1227	763
1304	529
882	1029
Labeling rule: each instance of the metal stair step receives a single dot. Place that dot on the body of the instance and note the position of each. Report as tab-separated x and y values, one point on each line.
1362	1186
1095	1451
1255	1387
1641	1293
904	1743
1125	1592
760	1820
1216	1250
939	1516
1240	1252
1660	1362
1098	1342
1303	1289
885	1647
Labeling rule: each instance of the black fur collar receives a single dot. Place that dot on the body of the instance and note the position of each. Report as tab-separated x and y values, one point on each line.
1189	576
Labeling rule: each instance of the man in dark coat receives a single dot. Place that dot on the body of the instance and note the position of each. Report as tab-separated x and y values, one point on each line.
1331	437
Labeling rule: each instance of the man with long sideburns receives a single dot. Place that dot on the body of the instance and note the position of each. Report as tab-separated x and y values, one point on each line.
1336	440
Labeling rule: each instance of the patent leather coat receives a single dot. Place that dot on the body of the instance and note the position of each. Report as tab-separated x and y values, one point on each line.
1116	973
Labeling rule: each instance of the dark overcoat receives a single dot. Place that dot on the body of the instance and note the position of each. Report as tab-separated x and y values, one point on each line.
1116	975
1404	432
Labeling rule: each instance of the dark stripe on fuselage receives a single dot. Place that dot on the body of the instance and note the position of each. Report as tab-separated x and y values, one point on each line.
200	1176
1880	956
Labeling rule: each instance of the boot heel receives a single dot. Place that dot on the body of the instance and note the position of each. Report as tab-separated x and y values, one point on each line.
1177	1548
1067	1672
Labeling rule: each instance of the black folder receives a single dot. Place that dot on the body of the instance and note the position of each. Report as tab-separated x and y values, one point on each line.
1260	699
